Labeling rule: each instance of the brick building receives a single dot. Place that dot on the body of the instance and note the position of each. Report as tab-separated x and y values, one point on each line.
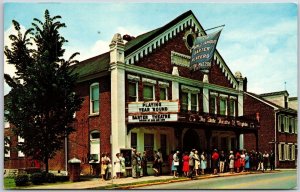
278	126
142	94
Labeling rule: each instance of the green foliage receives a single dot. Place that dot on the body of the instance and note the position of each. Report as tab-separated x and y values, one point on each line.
42	100
61	178
50	178
36	178
22	180
9	182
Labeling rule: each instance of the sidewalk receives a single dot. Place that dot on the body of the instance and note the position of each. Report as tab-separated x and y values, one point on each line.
97	182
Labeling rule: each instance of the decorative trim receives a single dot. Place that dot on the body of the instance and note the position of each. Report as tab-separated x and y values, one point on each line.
188	89
233	97
224	96
163	84
180	59
133	78
149	81
214	94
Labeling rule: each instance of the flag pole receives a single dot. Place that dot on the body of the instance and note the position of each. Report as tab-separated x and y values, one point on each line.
214	27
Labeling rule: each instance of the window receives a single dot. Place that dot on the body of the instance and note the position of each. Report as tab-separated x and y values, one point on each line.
232	107
286	124
194	102
94	97
7	145
148	92
184	101
293	152
132	91
163	93
213	104
287	152
281	151
280	123
223	106
296	126
20	141
163	145
134	140
94	147
149	145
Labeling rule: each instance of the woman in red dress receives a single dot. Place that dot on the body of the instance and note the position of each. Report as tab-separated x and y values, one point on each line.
185	167
237	163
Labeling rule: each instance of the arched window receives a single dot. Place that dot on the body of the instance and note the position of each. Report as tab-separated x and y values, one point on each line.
94	98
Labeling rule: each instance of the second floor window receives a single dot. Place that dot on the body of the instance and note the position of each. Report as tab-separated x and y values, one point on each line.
213	104
223	106
232	108
148	92
132	91
94	98
194	102
163	93
184	101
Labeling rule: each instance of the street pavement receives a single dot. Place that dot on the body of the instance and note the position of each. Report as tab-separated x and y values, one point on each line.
283	180
127	182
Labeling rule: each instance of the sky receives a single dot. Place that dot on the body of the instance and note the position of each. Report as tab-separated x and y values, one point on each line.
259	39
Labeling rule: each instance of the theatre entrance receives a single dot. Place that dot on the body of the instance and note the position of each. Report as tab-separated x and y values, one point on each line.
190	140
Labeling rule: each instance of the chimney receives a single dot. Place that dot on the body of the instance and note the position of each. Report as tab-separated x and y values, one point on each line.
245	81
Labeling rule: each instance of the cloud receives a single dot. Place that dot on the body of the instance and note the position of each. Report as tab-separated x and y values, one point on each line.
266	56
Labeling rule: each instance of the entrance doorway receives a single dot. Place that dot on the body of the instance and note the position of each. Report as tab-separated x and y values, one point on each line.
190	140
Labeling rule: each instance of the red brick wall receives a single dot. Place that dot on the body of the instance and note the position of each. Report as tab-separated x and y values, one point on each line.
160	60
78	144
266	130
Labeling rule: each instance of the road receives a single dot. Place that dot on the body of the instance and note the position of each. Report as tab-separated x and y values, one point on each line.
280	180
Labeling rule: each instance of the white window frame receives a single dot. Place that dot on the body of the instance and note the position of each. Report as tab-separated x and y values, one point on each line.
293	152
296	125
166	89
281	146
232	100
153	90
20	153
224	97
136	89
8	146
190	101
279	123
91	102
214	97
287	152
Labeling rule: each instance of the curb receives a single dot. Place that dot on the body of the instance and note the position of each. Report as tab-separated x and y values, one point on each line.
188	179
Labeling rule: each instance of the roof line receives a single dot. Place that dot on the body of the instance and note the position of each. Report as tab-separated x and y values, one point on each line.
261	100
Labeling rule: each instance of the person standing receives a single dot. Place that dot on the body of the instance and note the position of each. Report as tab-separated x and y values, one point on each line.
237	162
247	162
265	160
144	163
170	161
272	160
139	165
117	164
242	159
231	162
109	167
175	164
191	163
185	162
197	163
160	161
155	164
203	163
123	168
103	166
134	163
260	161
215	159
222	159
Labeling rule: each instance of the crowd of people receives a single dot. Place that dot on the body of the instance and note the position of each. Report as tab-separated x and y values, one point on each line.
188	164
193	164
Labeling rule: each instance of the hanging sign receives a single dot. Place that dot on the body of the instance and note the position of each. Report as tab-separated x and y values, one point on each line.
203	52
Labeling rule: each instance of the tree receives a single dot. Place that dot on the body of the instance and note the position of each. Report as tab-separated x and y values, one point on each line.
42	99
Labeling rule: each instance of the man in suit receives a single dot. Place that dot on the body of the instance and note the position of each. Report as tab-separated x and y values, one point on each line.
134	163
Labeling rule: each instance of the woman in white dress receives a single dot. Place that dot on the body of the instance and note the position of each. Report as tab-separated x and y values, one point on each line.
197	162
231	162
123	170
117	167
203	162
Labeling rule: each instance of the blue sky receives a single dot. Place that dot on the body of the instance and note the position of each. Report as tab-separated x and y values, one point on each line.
259	39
